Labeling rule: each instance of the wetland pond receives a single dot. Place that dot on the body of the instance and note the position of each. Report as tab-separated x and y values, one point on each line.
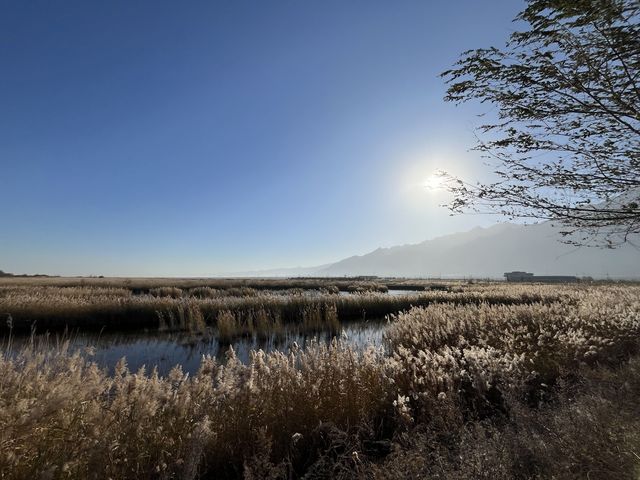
165	350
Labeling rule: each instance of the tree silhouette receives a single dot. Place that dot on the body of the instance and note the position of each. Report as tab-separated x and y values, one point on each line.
566	138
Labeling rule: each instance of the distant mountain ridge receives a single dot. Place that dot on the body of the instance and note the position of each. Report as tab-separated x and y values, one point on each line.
486	253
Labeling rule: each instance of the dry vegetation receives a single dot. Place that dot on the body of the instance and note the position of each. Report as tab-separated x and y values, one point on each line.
496	381
233	310
143	285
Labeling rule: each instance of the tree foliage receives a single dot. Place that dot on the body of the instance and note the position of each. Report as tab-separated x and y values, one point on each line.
565	138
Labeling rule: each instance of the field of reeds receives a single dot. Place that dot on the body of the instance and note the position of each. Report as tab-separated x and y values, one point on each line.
230	309
144	285
483	381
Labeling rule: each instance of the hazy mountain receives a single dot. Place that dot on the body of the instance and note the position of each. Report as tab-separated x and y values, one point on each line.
489	252
481	253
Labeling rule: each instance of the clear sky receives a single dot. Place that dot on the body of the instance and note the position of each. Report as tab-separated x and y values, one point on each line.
202	137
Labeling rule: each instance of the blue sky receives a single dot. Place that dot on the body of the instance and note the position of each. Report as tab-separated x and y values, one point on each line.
203	137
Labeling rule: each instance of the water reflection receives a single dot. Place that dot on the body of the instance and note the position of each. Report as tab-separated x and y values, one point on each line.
399	293
165	350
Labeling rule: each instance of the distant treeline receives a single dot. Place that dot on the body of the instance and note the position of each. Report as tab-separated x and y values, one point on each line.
37	275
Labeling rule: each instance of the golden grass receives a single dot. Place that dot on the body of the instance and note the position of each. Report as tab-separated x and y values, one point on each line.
328	408
170	307
64	416
590	430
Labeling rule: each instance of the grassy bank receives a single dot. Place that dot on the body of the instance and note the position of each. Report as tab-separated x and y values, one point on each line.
456	377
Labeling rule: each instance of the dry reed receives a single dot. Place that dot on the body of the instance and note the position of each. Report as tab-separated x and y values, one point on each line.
450	371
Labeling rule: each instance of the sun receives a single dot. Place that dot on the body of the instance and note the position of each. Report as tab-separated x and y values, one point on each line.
434	182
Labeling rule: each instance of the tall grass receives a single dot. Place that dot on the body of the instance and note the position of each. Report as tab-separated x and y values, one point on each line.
54	307
591	430
143	285
476	349
329	409
62	416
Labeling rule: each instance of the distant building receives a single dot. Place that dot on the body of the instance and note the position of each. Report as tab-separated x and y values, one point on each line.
518	276
530	277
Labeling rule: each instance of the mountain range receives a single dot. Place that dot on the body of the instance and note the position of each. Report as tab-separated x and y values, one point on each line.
484	253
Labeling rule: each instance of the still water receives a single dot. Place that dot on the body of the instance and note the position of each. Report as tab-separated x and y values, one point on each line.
165	350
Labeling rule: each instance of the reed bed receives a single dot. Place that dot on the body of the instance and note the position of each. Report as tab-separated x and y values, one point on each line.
144	285
63	417
449	370
90	307
446	349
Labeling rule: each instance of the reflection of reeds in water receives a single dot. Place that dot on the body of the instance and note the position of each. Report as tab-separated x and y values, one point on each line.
231	324
264	323
186	316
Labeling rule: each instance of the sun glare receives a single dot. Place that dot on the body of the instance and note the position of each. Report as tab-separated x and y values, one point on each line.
434	182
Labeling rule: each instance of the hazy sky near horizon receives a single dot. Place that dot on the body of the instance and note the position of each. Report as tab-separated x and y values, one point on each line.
198	138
